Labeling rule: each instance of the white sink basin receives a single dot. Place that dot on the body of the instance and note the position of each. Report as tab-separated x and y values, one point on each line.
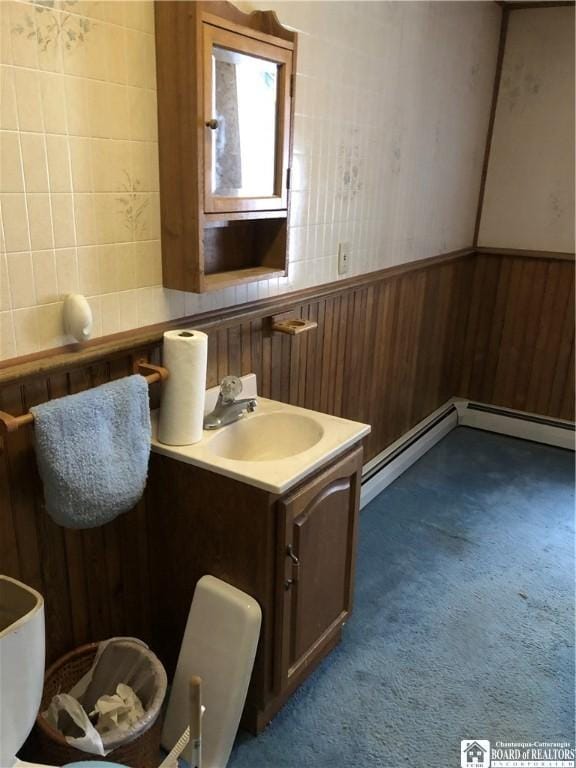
267	437
273	448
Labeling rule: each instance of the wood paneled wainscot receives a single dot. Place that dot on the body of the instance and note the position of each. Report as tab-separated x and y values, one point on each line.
389	348
386	352
294	554
519	347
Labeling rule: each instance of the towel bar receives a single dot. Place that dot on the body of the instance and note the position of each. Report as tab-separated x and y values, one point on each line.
152	374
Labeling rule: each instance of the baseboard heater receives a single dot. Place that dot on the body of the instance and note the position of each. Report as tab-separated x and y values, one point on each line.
568	425
391	463
526	426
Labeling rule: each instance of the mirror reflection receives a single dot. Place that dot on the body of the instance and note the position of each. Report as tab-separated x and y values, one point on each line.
244	99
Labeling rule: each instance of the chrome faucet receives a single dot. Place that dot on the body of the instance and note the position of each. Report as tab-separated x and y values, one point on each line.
228	409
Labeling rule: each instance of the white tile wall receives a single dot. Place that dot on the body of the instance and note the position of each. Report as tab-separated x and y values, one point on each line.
392	104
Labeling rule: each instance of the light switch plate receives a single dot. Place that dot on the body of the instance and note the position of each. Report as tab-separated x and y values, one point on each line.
343	258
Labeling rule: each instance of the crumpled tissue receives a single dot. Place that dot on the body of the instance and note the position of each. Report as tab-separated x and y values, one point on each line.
121	710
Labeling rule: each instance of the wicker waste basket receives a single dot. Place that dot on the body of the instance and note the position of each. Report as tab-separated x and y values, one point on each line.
138	748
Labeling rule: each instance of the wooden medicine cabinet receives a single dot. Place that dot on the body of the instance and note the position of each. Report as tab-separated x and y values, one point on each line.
225	108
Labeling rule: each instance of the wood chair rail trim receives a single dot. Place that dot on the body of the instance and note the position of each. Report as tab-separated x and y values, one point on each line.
51	361
521	253
73	355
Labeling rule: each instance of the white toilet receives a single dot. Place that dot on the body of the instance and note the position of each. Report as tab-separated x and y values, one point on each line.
22	659
21	665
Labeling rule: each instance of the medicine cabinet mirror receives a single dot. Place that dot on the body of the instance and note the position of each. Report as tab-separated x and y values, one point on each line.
225	106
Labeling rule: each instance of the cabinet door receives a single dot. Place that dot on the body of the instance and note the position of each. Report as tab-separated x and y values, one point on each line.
316	572
247	122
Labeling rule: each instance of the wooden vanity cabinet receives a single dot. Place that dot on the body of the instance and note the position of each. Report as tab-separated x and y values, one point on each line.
295	554
317	533
225	86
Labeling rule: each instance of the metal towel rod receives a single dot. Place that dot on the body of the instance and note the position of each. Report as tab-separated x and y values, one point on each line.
152	374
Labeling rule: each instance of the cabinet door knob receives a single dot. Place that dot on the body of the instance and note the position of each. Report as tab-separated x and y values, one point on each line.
212	124
288	583
291	555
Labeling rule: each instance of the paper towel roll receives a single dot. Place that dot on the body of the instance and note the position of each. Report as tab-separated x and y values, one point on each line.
185	355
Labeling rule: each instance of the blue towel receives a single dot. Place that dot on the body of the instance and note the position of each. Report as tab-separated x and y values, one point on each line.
93	450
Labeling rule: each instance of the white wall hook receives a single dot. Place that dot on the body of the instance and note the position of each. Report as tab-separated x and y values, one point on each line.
77	317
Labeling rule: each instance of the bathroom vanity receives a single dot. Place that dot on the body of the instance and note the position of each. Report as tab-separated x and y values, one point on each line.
290	543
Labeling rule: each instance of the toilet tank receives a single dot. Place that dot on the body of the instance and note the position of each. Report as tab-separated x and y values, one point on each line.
21	664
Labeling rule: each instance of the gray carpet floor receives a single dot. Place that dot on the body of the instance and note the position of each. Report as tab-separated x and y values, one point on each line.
463	620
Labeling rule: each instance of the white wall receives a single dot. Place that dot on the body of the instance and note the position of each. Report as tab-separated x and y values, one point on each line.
392	107
399	92
529	200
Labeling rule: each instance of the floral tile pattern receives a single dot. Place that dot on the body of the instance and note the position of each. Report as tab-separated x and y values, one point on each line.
132	206
50	28
381	160
79	194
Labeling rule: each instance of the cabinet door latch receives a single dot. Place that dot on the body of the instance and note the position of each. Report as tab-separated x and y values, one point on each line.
291	555
295	567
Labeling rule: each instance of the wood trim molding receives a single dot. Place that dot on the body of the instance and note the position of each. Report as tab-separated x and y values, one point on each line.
521	253
75	355
51	361
511	5
262	24
491	120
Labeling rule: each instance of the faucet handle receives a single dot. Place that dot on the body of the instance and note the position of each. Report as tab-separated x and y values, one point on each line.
230	387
